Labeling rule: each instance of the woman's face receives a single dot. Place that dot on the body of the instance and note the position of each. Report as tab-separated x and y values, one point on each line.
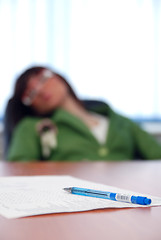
45	92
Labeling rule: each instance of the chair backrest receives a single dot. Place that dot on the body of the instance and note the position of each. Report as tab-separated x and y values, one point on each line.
8	126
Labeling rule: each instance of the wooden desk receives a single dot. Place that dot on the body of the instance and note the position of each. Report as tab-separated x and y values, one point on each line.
122	224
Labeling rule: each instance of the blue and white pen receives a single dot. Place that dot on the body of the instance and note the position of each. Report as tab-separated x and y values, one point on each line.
109	195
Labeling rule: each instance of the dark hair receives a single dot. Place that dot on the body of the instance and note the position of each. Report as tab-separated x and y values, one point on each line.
16	110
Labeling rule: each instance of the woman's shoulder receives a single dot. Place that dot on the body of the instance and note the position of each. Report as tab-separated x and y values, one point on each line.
27	123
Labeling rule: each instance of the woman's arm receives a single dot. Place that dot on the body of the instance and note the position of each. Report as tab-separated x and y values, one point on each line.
146	145
25	143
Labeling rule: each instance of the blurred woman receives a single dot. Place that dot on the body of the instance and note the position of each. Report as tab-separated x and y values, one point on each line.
45	120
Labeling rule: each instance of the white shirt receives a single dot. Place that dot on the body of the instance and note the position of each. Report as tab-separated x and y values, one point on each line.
100	130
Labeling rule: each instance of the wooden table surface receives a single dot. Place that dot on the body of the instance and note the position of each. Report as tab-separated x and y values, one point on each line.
120	224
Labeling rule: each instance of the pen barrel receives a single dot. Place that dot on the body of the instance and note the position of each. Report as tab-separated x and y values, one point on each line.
93	193
111	196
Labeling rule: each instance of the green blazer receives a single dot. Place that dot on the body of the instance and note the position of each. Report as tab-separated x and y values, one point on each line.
125	139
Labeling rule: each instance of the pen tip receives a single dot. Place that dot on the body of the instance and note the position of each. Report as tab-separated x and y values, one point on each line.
67	189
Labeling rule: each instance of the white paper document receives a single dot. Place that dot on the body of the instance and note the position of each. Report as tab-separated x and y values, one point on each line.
36	195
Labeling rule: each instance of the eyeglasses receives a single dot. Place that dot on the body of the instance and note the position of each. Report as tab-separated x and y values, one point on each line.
28	99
